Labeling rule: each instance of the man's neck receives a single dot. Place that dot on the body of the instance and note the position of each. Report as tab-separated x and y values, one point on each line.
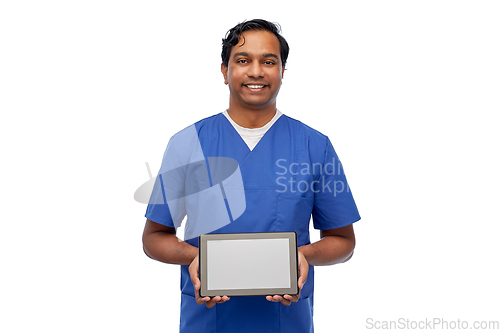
252	118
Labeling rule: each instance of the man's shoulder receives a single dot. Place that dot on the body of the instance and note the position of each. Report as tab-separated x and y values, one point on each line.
208	121
199	124
304	129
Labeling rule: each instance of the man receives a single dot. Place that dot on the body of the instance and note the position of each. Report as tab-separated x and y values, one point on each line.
289	172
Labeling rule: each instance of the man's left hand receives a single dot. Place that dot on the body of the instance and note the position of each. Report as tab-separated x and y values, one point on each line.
303	271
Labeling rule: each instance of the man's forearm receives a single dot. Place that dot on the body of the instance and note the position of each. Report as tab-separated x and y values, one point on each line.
166	247
329	250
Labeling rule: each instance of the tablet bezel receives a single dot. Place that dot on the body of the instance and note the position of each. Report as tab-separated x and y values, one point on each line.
202	248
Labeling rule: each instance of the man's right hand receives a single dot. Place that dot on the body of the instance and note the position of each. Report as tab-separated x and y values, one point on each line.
209	302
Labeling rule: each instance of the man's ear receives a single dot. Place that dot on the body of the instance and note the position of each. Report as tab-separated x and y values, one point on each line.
223	69
282	71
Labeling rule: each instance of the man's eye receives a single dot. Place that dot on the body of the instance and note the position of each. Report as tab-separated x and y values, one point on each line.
269	62
242	61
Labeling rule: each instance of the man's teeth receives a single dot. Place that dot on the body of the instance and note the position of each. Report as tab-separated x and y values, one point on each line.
254	86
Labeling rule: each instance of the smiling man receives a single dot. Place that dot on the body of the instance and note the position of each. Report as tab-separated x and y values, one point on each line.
253	72
268	147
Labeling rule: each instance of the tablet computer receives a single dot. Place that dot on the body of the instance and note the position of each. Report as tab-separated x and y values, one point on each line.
248	264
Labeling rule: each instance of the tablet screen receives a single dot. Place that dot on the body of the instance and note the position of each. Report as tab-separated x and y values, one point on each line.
248	264
265	271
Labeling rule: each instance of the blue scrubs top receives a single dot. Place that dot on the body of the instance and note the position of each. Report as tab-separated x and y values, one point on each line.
293	173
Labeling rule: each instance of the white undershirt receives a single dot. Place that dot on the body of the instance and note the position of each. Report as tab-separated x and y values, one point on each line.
252	136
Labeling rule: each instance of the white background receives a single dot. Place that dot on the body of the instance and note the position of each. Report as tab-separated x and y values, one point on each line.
91	90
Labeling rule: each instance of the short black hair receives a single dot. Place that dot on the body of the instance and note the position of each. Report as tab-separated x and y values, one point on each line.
233	35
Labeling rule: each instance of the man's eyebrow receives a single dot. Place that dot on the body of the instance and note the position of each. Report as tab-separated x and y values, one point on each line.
243	54
265	55
270	55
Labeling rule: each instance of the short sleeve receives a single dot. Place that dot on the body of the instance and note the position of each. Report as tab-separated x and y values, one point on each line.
157	210
334	205
166	204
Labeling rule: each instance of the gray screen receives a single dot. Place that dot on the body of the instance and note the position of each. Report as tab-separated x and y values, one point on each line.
248	264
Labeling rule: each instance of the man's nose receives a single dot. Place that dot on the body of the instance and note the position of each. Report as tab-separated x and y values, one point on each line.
255	70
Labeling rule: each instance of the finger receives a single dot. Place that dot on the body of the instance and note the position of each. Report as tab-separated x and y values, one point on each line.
222	300
303	274
202	300
291	298
193	273
199	300
196	283
285	301
301	282
279	298
196	286
303	269
302	278
211	303
194	277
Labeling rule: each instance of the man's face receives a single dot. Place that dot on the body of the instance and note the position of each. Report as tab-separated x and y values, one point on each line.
254	71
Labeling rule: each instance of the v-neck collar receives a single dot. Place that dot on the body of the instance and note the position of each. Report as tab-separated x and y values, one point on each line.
239	140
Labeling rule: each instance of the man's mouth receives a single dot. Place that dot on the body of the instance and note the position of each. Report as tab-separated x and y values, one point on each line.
254	86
